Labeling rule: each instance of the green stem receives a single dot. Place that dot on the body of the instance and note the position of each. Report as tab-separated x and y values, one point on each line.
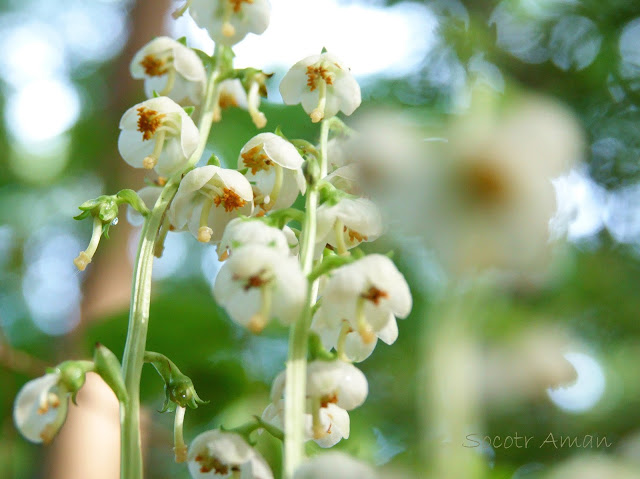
133	358
296	379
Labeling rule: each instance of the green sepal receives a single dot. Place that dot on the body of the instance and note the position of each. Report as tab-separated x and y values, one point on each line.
336	125
329	263
317	352
214	160
131	198
243	171
155	94
108	367
189	109
324	50
83	215
207	60
278	131
331	195
182	40
280	218
178	388
73	375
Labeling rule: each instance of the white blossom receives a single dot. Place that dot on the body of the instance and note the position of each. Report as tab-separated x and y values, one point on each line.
347	223
333	388
229	21
333	423
243	231
207	199
258	283
324	86
346	178
157	133
171	69
364	297
336	465
218	454
488	197
275	166
40	408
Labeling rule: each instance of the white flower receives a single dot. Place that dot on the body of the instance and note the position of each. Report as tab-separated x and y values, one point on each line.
218	454
336	465
275	166
149	195
347	223
364	297
157	133
171	69
333	388
241	231
338	152
229	21
207	199
488	197
258	283
336	382
40	408
333	423
323	85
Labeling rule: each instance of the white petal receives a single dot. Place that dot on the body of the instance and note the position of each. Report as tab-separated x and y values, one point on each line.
389	333
356	349
187	197
188	64
347	91
337	424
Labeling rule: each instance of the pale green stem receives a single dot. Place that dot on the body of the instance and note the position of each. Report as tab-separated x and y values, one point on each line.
295	393
133	358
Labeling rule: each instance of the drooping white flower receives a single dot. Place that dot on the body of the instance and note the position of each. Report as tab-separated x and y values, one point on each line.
218	454
171	69
207	199
324	86
332	424
243	231
336	465
229	21
347	223
336	382
40	408
258	283
488	197
275	166
364	297
333	388
149	195
157	133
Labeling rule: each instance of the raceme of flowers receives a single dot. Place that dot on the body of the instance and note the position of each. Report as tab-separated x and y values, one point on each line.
281	263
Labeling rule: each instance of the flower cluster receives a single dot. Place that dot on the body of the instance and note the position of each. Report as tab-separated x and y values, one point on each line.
300	266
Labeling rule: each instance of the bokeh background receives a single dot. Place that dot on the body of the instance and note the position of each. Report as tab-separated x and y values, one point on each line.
64	84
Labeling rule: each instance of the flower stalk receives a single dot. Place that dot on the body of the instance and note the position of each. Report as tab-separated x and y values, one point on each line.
299	335
133	358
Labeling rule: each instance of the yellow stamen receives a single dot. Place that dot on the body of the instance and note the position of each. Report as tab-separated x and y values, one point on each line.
342	339
364	328
338	229
318	114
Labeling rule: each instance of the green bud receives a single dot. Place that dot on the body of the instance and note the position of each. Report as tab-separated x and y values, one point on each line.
108	367
311	171
178	388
